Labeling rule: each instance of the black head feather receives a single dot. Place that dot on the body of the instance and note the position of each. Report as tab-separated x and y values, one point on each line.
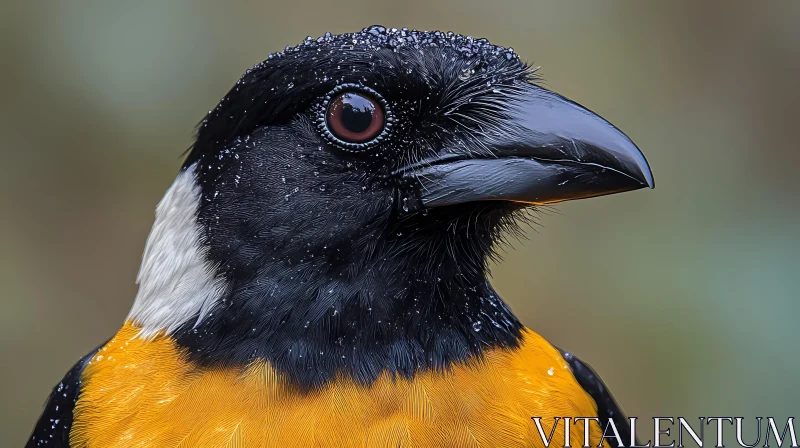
331	266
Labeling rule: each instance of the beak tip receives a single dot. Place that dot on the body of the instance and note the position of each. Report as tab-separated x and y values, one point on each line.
647	175
638	165
648	180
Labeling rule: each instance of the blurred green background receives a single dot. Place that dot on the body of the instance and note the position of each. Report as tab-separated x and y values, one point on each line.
684	298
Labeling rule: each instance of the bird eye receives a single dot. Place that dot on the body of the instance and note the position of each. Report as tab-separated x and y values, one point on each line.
354	117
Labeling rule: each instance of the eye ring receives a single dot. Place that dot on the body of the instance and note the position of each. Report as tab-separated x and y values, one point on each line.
336	132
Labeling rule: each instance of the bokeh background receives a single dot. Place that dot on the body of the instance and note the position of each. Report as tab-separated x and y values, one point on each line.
685	298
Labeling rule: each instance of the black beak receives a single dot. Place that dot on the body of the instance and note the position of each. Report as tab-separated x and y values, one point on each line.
547	149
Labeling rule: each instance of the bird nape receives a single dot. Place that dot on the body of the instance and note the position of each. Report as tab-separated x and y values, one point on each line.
336	215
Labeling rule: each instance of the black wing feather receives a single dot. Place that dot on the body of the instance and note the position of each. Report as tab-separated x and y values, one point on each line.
607	407
52	429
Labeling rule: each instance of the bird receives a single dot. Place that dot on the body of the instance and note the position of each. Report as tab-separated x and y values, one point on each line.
318	272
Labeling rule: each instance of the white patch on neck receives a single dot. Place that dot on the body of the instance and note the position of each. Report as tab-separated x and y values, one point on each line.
176	282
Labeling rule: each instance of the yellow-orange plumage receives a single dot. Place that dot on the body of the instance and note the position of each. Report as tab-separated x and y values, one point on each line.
143	392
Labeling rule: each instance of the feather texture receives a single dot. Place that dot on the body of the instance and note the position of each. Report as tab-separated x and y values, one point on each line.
176	283
144	392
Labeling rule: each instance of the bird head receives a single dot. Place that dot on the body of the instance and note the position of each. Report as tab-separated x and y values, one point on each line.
348	192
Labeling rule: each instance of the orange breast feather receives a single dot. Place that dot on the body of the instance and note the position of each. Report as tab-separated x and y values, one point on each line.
142	393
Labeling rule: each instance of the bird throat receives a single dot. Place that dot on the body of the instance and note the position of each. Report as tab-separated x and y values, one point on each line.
312	339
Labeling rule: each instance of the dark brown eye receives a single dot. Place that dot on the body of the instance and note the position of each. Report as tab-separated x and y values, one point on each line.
355	117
